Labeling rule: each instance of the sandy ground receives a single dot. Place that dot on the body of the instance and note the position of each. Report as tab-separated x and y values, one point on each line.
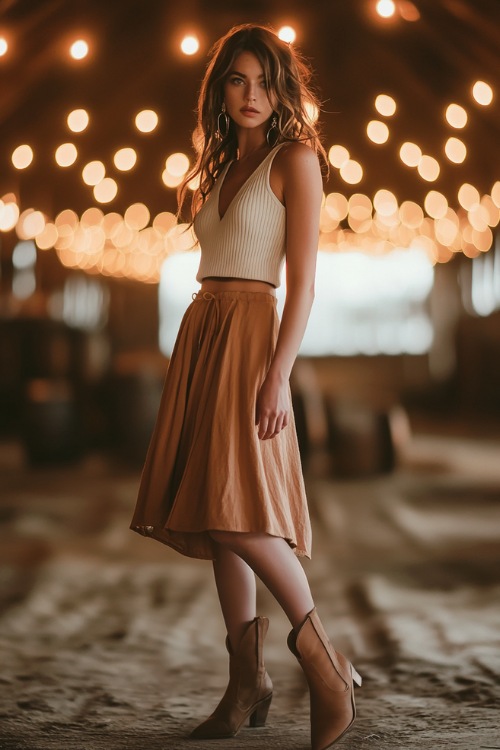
112	641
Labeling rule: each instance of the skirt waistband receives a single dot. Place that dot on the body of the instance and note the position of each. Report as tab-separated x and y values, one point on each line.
201	296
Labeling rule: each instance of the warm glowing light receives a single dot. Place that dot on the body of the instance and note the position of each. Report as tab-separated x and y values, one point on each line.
194	184
171	180
337	205
9	215
492	211
93	172
287	34
110	222
68	217
146	120
385	105
482	93
47	238
106	190
125	159
468	196
79	49
455	150
377	131
338	155
92	217
385	8
351	172
164	221
78	120
495	193
482	239
20	224
137	216
22	156
312	111
435	204
408	10
66	154
410	154
478	217
411	214
117	231
3	46
446	231
32	224
428	168
177	164
360	207
385	202
456	116
190	45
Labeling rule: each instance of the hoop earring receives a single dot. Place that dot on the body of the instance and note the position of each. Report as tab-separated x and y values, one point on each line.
222	133
275	134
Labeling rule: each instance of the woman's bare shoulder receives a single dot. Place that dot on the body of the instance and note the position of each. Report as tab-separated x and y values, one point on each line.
296	154
297	163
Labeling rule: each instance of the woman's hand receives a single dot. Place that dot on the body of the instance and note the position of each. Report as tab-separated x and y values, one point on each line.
272	412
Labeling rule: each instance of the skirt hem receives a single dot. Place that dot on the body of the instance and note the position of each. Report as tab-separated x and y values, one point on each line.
156	533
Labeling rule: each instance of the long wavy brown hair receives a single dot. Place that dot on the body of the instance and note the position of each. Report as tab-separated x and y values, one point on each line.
288	83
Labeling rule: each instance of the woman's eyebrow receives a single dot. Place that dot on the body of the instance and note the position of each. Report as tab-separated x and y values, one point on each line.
242	75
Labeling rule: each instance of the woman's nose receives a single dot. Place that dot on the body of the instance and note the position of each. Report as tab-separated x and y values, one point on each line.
250	93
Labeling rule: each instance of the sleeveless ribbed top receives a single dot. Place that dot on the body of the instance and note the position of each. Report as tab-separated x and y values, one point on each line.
249	241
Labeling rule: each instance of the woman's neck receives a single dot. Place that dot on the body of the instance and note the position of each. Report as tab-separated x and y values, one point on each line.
249	151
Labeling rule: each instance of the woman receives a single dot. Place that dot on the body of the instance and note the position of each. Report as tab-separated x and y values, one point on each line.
222	479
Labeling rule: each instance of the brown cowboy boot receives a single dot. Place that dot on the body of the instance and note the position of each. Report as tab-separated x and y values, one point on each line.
330	677
249	691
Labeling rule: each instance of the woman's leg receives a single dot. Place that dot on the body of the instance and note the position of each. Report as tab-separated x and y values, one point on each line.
235	582
273	560
249	691
329	674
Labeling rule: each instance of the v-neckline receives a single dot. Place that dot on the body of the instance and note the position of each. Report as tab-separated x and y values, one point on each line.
223	177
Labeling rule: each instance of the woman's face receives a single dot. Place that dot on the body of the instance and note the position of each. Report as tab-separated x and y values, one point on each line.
245	90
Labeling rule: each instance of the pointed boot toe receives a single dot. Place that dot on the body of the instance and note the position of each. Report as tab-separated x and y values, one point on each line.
330	678
212	729
249	691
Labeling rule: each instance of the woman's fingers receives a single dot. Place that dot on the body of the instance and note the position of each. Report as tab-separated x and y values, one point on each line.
271	425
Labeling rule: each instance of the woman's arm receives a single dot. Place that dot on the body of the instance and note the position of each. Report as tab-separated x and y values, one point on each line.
302	190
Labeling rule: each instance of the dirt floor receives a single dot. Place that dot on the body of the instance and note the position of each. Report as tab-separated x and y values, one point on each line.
111	641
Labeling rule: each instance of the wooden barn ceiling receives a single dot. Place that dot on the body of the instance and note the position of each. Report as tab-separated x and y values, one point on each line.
135	63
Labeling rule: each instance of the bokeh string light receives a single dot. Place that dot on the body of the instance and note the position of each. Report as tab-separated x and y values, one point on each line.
190	45
135	244
287	34
79	49
385	8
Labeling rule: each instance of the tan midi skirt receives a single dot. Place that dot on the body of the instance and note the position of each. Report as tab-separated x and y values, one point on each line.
206	468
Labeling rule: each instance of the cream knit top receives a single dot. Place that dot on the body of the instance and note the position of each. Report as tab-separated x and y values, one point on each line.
248	242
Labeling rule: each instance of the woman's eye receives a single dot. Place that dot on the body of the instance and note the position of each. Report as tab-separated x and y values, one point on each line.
236	80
